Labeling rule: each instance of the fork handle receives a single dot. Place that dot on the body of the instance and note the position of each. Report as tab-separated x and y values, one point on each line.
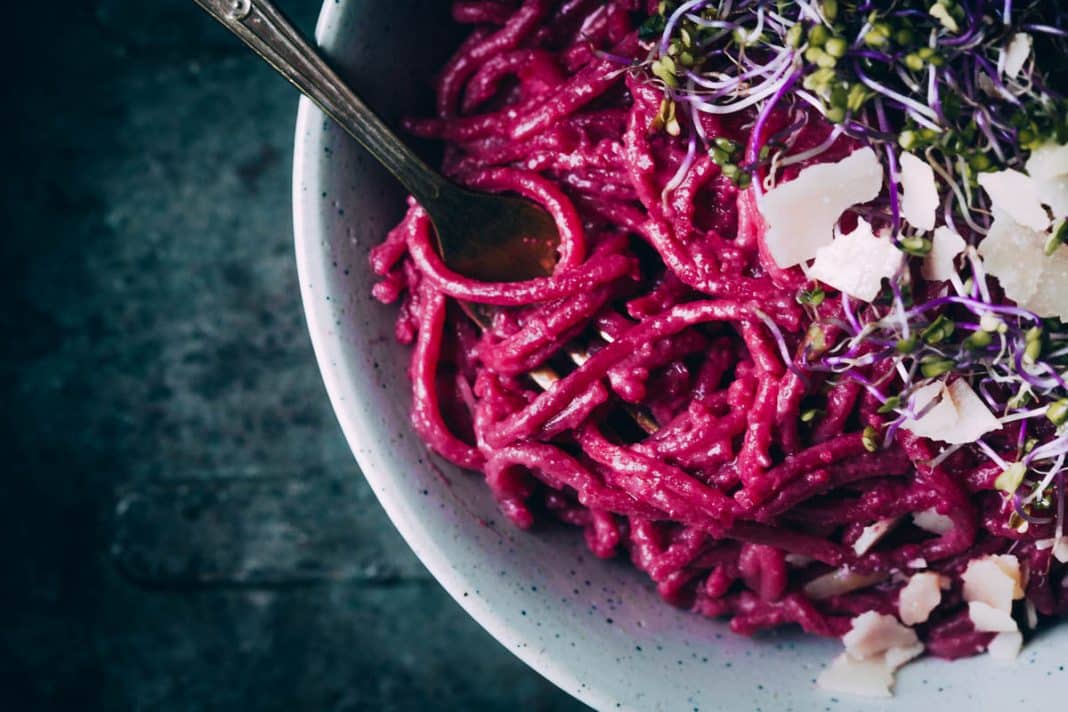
264	28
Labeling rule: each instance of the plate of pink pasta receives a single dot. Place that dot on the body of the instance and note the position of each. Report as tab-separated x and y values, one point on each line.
787	425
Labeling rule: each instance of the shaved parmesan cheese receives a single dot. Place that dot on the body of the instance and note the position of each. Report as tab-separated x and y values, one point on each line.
960	416
1010	566
1050	297
1016	53
994	581
945	246
919	597
896	657
841	580
1048	161
1054	193
871	535
1006	646
876	646
873	633
801	214
988	619
857	263
1048	168
920	193
1015	255
1015	193
868	678
918	563
930	520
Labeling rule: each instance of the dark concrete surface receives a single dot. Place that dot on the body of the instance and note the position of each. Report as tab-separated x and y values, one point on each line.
182	526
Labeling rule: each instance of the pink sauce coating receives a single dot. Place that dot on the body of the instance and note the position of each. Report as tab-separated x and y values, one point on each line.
735	503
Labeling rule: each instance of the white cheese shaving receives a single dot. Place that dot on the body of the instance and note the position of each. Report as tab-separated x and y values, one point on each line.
1048	161
1016	194
919	597
919	200
946	244
1015	255
841	580
867	678
930	520
896	657
994	581
959	417
918	563
801	214
1005	646
988	619
873	633
876	646
1054	193
857	263
872	534
1010	566
1050	297
1016	54
1048	168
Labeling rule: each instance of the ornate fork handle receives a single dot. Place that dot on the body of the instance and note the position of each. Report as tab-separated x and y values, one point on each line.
266	30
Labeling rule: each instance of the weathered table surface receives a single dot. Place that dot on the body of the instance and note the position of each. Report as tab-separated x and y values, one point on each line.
183	526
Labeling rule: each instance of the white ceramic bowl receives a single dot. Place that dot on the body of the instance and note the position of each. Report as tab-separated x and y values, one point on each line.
595	628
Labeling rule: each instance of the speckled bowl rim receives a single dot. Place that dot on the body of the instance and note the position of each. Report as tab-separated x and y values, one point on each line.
374	465
965	682
377	469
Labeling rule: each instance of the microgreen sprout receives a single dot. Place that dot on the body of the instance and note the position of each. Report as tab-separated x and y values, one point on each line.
920	75
811	297
870	438
1010	478
1057	412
